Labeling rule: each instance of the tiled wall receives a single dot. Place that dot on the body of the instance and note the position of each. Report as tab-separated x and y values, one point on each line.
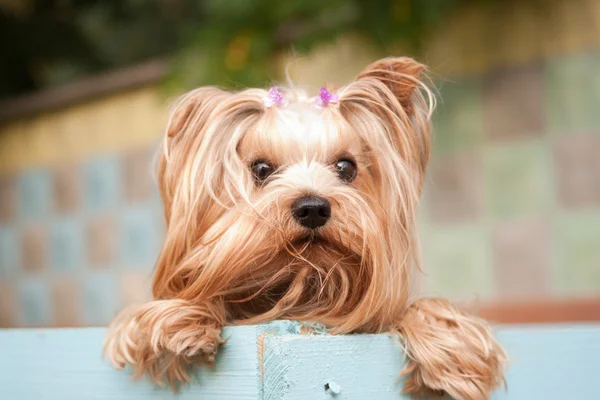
511	208
80	216
78	242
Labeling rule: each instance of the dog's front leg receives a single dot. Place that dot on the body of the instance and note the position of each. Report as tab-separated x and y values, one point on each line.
449	352
165	338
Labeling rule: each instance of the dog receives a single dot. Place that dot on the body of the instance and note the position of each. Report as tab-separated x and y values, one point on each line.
283	206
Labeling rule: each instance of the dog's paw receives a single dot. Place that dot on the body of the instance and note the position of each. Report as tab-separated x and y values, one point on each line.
449	352
165	339
193	341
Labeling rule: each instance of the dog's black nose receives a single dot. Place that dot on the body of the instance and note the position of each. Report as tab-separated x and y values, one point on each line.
312	212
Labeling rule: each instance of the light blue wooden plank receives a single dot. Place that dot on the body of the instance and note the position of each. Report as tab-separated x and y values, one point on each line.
63	364
276	361
364	366
552	362
549	362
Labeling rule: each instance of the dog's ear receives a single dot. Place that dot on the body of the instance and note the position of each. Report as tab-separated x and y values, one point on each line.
390	107
401	75
190	117
195	178
194	106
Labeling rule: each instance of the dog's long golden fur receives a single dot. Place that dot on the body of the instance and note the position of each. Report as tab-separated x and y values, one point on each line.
233	252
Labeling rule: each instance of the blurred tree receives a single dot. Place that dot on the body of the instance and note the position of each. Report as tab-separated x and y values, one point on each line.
49	42
226	42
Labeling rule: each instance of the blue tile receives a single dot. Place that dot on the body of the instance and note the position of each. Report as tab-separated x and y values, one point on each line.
34	194
36	305
155	198
100	298
66	245
102	184
9	252
141	233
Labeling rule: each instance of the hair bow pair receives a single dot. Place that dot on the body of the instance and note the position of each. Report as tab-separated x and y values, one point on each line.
276	98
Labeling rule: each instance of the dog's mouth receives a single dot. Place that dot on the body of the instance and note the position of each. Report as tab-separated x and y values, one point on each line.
310	239
319	243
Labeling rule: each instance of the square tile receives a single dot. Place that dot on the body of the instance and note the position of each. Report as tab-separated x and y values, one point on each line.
67	189
456	188
517	180
140	239
138	172
457	263
8	198
101	241
155	198
521	254
35	303
424	207
8	305
577	248
66	251
66	296
34	248
102	184
513	104
9	253
577	164
100	298
458	119
136	288
34	194
573	93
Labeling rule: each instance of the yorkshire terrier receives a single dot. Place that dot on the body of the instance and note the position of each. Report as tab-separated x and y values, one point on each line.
283	206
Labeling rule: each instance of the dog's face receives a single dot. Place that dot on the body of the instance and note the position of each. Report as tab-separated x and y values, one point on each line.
313	185
297	212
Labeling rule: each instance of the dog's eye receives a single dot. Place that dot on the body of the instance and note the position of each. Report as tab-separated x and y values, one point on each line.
346	169
261	170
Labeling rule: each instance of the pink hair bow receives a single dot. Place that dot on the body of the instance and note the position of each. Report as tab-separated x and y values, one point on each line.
275	98
325	98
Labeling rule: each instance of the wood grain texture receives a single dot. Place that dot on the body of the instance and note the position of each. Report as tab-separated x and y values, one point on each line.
552	362
64	364
280	361
364	366
548	362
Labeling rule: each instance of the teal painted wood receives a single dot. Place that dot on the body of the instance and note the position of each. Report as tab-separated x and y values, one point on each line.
552	362
65	364
363	366
275	361
549	363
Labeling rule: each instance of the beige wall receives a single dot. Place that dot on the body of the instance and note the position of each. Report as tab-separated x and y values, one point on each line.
122	121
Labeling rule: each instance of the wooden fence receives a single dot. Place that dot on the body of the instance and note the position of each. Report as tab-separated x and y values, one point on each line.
276	361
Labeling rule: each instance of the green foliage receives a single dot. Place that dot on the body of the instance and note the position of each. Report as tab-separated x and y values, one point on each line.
237	44
50	42
224	42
